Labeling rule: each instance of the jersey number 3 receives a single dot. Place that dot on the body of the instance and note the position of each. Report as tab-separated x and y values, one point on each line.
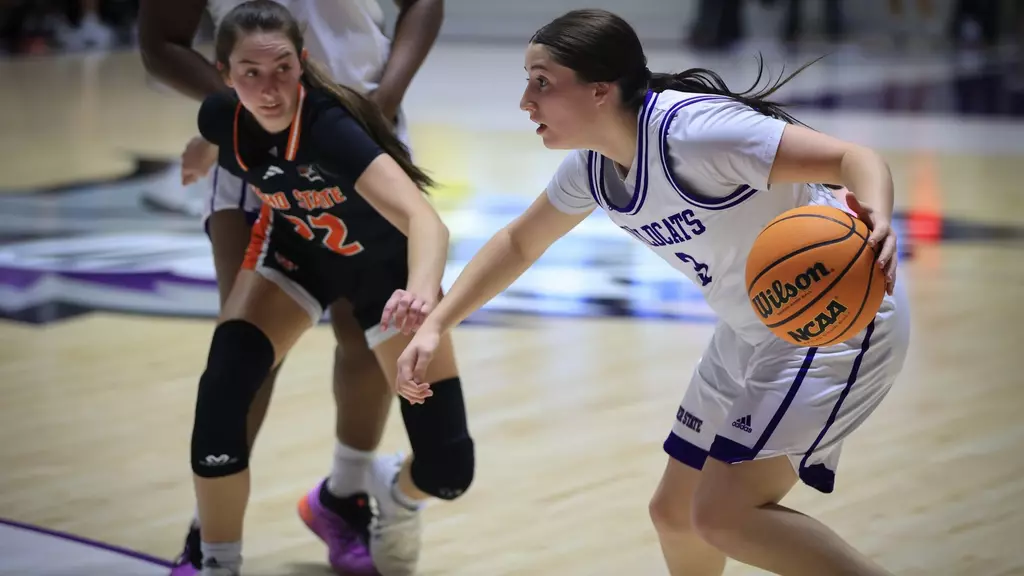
336	229
699	267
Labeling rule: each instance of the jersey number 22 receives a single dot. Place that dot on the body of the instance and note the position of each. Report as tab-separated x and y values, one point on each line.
336	229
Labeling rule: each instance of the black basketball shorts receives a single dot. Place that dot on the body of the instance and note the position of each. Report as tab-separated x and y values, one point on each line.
315	276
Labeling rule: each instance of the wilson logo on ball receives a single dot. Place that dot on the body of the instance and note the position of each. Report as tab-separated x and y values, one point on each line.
812	279
780	294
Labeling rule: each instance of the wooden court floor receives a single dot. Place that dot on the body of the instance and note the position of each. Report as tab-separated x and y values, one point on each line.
568	414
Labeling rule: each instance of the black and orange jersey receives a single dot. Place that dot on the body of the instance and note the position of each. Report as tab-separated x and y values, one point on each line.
306	174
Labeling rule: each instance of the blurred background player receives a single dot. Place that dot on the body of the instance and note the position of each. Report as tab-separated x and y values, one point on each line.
349	38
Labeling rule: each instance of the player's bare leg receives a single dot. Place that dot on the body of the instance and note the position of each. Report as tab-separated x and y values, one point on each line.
337	509
737	511
263	321
671	509
229	237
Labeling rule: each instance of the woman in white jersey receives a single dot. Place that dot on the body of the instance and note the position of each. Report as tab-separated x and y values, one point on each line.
348	37
695	172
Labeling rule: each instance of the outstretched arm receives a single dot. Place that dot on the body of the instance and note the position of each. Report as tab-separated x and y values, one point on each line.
503	259
509	253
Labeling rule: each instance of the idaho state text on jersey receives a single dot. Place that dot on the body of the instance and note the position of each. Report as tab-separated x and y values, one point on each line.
336	231
323	199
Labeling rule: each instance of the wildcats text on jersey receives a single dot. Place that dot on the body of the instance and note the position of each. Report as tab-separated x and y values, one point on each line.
674	229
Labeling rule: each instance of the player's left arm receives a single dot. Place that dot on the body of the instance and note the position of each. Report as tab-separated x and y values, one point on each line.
387	188
731	143
416	29
807	156
380	180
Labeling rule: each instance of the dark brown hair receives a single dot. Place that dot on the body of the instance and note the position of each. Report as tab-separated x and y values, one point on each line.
602	47
269	16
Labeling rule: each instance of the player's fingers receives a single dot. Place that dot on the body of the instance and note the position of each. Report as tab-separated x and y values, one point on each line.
416	315
419	371
425	311
389	309
402	309
878	235
410	318
405	364
886	251
416	393
411	315
891	255
854	204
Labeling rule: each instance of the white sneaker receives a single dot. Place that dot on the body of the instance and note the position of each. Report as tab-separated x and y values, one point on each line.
217	571
395	533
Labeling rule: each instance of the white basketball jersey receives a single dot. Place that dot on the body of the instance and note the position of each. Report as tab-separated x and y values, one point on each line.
347	36
697	193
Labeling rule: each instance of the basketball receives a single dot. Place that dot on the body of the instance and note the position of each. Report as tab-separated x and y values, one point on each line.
812	278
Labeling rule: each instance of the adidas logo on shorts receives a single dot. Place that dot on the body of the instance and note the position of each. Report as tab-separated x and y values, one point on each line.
743	424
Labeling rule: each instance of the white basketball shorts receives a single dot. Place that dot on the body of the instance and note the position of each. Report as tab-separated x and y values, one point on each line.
749	402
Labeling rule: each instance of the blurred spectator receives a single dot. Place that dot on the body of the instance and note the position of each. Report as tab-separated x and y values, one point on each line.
718	25
40	26
926	27
793	23
976	22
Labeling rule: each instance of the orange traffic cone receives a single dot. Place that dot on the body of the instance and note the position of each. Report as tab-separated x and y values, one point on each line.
924	220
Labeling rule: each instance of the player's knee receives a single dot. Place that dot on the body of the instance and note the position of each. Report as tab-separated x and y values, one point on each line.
240	358
447	471
443	454
716	520
670	515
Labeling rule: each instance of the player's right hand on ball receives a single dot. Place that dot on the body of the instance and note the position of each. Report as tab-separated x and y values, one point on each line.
412	366
199	156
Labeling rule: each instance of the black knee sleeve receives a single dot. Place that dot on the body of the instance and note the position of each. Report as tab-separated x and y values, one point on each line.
240	358
443	459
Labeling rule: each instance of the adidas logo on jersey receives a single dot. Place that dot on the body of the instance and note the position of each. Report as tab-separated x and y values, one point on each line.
743	424
272	171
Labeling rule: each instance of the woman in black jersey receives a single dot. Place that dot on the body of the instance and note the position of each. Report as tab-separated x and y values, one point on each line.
343	216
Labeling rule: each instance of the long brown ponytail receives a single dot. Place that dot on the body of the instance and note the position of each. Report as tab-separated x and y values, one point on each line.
269	16
369	115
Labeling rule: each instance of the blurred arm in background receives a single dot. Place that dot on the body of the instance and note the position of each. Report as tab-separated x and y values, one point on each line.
166	30
416	29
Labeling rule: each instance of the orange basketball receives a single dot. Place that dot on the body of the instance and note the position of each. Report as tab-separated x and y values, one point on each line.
812	278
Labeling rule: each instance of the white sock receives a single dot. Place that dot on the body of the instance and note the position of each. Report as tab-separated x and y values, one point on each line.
350	472
195	517
226	555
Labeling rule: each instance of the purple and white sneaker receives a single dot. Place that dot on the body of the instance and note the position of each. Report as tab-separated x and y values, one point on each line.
343	524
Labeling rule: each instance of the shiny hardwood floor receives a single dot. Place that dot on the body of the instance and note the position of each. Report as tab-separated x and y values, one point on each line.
568	414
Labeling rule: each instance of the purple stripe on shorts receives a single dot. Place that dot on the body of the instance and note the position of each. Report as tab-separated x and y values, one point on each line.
686	452
817	475
728	450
